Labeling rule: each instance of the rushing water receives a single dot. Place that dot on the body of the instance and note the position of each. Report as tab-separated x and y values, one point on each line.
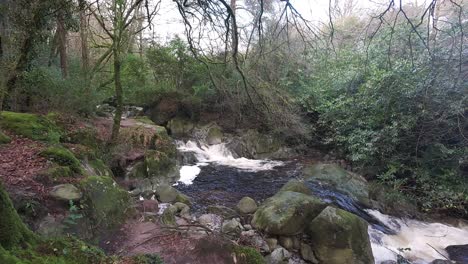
215	177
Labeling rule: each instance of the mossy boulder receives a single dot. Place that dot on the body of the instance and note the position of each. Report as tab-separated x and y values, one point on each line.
247	205
13	232
296	186
340	179
286	213
99	168
214	135
160	165
4	139
248	255
55	174
62	157
339	237
32	126
180	127
105	203
168	216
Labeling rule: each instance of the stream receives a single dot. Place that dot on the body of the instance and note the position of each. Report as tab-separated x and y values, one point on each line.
212	176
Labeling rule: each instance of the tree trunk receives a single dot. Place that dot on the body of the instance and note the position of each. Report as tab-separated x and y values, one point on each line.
84	38
118	96
234	41
62	41
13	232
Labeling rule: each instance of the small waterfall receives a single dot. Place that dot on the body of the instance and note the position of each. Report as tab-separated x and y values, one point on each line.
218	154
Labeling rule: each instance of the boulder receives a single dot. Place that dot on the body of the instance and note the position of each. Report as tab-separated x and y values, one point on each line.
160	167
32	126
66	192
168	216
212	221
437	261
339	237
166	193
104	202
214	135
223	211
255	240
272	242
180	127
278	256
50	227
286	242
183	210
286	213
340	179
458	253
296	186
247	205
231	227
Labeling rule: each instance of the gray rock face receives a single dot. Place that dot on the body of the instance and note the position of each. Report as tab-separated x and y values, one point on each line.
458	253
308	254
286	213
166	193
247	205
255	240
212	221
66	192
437	261
286	242
339	237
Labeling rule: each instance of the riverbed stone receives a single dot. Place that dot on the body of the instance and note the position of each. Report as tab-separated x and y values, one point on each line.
180	127
333	175
339	237
212	221
214	135
255	240
225	212
166	193
286	242
183	210
272	242
247	205
437	261
286	213
231	227
458	253
296	186
66	192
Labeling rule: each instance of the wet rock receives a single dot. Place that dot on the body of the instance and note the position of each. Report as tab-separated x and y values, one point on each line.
66	192
308	254
286	242
296	259
458	253
339	237
333	175
278	256
296	186
182	198
232	227
212	221
390	262
247	227
286	213
247	205
223	211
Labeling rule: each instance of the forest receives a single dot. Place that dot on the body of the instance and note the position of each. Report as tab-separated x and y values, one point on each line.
241	131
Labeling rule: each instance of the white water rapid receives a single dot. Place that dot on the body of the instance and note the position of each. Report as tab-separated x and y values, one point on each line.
424	242
218	154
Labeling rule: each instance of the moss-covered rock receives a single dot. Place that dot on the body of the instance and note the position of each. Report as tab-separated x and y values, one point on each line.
168	216
182	198
63	157
248	255
87	136
286	213
99	168
66	192
296	186
247	205
180	127
339	237
55	174
13	232
4	139
340	179
104	202
214	135
32	126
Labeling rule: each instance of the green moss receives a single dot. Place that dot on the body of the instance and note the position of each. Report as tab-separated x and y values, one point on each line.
159	164
182	198
30	125
4	139
13	232
248	255
100	168
63	157
86	136
145	120
105	203
168	216
56	173
296	186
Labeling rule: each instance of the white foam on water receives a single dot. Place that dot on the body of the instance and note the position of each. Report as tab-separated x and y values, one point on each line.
426	241
221	155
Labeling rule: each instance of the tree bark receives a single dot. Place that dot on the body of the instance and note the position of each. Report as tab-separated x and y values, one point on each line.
62	39
84	38
118	95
